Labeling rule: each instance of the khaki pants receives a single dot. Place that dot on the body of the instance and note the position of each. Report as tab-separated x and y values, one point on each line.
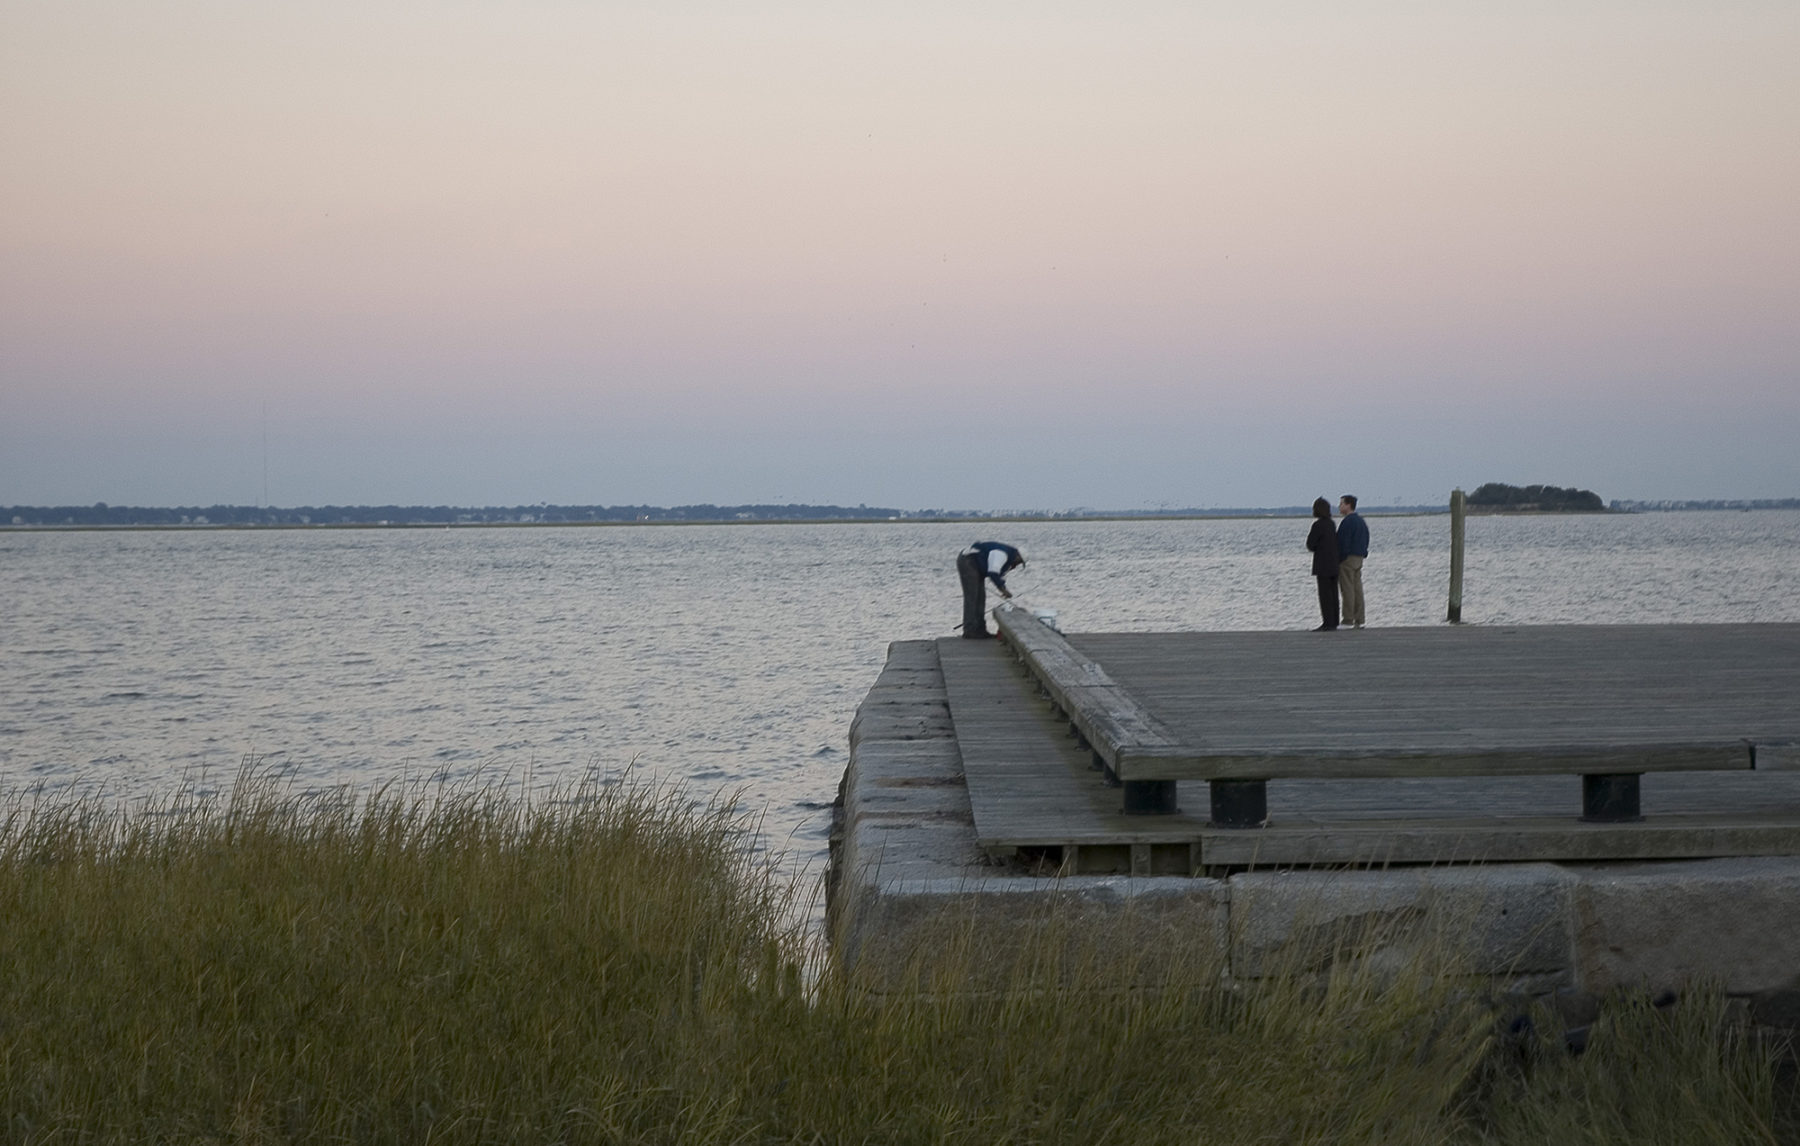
1350	587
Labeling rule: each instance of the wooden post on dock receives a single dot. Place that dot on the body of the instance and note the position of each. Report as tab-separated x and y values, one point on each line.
1456	555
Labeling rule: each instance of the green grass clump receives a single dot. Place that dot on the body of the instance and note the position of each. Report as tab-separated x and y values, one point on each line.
1686	1074
460	964
611	964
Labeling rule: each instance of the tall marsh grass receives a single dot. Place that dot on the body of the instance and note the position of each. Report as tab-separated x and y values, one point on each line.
612	964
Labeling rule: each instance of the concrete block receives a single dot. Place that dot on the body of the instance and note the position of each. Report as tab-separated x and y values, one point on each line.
882	849
923	694
903	764
909	679
1660	925
1509	921
915	655
910	722
921	802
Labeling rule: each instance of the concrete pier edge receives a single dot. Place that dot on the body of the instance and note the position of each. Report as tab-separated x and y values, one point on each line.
905	867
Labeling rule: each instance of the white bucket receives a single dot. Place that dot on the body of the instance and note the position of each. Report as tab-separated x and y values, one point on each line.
1047	617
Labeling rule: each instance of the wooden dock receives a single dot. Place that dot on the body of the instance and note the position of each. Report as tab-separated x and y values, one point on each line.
1422	745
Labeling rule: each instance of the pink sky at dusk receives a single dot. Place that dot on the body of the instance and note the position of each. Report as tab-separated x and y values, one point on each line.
996	255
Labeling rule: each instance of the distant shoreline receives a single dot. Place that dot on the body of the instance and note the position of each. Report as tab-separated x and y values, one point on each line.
935	518
1002	519
103	516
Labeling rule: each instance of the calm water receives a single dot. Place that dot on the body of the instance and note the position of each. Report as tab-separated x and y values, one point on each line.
730	656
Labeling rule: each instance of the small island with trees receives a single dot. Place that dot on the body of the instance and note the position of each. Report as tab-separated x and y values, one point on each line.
1498	497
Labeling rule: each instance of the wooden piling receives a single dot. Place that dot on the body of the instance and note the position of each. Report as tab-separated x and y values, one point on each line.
1457	513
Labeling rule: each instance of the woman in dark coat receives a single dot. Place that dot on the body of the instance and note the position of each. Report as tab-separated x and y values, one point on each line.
1323	543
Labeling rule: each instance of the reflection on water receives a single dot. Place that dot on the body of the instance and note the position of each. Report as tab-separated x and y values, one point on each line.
730	656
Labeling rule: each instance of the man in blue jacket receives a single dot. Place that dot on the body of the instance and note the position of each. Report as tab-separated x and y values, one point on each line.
1353	546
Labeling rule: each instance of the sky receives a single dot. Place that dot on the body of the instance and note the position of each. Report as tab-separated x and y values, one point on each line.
991	255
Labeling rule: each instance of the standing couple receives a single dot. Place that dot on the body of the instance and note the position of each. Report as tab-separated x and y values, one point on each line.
1338	560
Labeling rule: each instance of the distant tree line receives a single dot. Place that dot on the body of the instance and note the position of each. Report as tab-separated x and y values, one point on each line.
101	513
1535	498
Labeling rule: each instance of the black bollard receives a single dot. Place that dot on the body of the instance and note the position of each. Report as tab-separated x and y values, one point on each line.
974	587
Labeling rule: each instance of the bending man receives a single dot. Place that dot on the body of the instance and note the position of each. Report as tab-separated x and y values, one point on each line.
980	563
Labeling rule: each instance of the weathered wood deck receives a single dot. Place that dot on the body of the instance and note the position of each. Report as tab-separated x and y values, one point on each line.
1441	728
